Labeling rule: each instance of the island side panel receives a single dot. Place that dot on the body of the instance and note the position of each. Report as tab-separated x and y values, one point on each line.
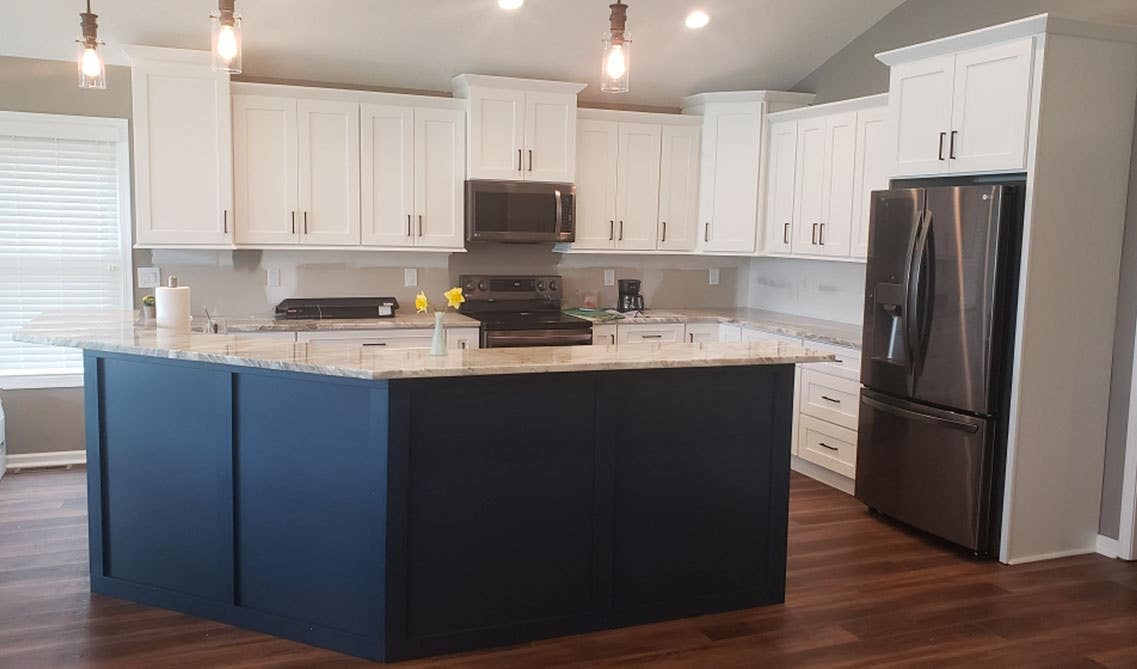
700	470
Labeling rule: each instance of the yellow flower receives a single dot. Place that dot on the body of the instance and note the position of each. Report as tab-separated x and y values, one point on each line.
421	303
454	297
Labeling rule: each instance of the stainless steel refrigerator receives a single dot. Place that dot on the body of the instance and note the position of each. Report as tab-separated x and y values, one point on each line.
938	326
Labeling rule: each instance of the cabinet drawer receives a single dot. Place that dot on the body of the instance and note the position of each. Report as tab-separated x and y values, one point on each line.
650	334
362	340
701	333
848	362
827	445
828	397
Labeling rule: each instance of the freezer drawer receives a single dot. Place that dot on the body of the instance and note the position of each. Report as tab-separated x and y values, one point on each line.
926	467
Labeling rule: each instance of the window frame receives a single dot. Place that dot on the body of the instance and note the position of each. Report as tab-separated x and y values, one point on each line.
90	128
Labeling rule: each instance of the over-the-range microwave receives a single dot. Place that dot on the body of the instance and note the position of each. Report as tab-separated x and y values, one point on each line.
507	211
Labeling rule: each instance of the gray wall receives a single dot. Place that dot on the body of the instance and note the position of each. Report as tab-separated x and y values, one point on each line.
51	419
854	71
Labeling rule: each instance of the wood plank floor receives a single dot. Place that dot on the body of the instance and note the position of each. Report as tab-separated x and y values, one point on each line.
861	593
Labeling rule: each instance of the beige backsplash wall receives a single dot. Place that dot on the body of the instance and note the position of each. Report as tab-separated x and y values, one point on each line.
233	283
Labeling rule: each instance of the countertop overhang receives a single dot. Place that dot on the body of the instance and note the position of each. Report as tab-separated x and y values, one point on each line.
118	333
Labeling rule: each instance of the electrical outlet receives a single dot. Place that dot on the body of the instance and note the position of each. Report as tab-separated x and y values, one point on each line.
609	277
273	277
410	277
714	276
149	277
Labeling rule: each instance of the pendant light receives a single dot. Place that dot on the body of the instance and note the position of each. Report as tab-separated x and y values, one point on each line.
614	68
92	69
226	38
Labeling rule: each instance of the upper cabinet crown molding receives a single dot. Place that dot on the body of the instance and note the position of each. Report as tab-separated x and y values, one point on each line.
1006	32
462	84
314	92
773	98
139	53
622	116
841	106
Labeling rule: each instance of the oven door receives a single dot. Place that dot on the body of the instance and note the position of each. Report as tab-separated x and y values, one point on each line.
551	337
504	211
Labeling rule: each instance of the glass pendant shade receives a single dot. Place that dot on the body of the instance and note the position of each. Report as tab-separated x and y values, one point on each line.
226	41
92	69
616	65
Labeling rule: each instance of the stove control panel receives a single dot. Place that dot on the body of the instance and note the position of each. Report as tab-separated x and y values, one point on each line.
492	288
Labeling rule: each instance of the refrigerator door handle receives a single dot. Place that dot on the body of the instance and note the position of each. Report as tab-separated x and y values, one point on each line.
909	310
970	428
917	325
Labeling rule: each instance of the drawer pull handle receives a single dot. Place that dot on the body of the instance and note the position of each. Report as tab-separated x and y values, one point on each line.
830	399
839	361
654	336
827	446
375	343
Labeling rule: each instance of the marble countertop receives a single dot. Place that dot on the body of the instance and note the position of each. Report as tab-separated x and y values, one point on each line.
400	321
118	333
812	329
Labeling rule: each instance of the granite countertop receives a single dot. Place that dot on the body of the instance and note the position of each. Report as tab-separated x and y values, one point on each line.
813	329
400	321
118	333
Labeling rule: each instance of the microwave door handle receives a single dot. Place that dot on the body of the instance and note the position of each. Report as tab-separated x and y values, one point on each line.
557	199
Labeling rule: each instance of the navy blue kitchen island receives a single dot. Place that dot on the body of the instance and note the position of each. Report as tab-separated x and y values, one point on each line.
393	518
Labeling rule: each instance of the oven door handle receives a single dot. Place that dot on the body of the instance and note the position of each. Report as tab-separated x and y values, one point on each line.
518	338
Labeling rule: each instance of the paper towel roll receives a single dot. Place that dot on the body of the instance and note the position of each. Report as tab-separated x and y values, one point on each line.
173	308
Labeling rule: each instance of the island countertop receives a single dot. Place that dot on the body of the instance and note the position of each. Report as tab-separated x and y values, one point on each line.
117	332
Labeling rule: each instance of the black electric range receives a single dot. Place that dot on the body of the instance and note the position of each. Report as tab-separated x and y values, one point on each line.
521	311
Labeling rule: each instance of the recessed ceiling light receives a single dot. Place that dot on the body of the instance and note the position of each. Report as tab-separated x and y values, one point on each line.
510	4
697	19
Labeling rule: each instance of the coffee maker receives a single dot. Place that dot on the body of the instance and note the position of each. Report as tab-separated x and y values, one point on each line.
630	298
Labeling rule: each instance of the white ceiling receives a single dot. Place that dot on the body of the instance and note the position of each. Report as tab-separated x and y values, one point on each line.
421	44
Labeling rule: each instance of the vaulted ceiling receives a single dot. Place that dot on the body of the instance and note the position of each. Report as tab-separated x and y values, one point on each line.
421	44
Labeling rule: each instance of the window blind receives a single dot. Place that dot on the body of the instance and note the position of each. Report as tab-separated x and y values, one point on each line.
60	244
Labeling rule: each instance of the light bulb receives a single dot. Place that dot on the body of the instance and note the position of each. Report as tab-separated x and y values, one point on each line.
91	64
226	43
697	19
510	4
617	66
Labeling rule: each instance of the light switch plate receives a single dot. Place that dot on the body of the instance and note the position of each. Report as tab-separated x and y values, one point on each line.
609	277
149	277
410	277
714	276
273	279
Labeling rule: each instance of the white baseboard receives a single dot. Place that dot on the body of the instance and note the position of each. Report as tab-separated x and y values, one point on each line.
1049	556
821	474
18	461
1111	548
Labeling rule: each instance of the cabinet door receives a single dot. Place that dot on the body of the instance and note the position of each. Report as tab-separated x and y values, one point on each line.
550	137
810	191
439	216
264	170
870	172
781	175
678	188
637	186
840	154
991	108
650	334
386	164
703	333
920	107
604	335
329	172
737	147
497	121
183	168
596	150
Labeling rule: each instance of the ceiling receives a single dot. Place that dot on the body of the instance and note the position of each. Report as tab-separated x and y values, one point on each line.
421	44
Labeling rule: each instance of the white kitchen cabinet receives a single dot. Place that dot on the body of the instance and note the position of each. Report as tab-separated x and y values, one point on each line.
637	186
781	180
519	129
991	108
827	445
597	148
835	231
703	333
729	332
387	174
830	398
809	197
646	333
264	170
439	212
361	341
328	168
678	188
412	176
728	203
870	172
603	334
963	112
183	169
463	338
